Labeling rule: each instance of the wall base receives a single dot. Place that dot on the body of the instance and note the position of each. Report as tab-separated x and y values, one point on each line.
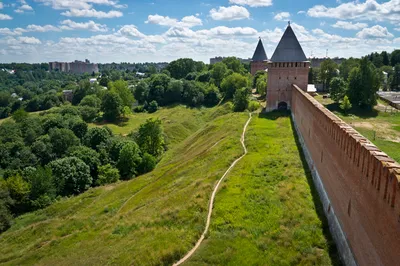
334	225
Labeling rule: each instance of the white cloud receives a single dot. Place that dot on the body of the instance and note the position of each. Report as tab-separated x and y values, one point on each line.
397	40
252	3
1	5
282	16
376	31
301	12
5	17
39	28
7	31
131	31
92	13
349	25
229	13
369	10
79	4
29	40
397	29
90	25
223	31
189	21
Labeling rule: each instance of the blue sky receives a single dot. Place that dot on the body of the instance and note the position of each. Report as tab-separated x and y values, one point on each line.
164	30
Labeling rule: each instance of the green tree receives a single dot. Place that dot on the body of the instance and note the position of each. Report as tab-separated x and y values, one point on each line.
395	80
181	67
89	156
395	57
107	175
111	105
158	84
71	175
5	204
43	149
173	93
150	137
96	136
241	100
363	85
20	115
79	128
218	73
212	95
129	160
141	92
345	105
337	89
43	190
19	191
121	87
147	164
327	72
91	101
192	93
232	83
262	86
234	64
61	139
385	58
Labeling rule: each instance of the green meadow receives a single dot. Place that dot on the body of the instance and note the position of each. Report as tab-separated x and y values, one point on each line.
266	212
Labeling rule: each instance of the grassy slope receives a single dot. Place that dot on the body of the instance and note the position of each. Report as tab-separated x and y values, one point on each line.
153	219
380	127
265	213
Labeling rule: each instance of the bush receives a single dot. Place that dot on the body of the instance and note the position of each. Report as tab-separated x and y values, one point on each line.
128	161
139	109
241	100
253	106
148	163
95	136
107	175
153	107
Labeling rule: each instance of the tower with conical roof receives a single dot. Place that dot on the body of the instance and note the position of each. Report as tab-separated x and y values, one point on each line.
288	66
259	60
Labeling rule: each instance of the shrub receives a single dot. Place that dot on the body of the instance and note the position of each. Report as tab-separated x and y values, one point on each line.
148	163
107	175
153	107
253	106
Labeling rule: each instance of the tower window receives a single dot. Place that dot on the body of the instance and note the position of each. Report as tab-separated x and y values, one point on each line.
296	64
304	64
291	64
279	77
279	64
295	77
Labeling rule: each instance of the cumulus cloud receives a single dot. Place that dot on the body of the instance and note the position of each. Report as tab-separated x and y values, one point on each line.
397	29
252	3
369	10
1	5
24	7
229	13
131	31
376	31
349	25
79	4
92	13
90	25
7	31
39	28
188	21
223	31
5	17
282	16
29	40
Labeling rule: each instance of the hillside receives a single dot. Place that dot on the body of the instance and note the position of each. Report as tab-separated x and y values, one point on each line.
265	210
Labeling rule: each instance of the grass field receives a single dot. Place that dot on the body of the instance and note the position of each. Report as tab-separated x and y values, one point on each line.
380	127
265	213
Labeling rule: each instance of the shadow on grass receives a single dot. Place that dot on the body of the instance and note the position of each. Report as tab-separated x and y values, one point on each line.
333	251
357	111
274	115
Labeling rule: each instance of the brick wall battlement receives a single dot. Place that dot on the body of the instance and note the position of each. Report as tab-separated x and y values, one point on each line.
362	182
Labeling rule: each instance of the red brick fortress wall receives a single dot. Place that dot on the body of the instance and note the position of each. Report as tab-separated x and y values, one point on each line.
362	182
256	66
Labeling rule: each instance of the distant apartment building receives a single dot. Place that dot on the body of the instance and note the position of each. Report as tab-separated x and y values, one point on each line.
316	62
77	67
220	58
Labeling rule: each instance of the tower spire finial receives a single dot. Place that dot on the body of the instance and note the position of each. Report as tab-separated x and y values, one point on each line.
289	23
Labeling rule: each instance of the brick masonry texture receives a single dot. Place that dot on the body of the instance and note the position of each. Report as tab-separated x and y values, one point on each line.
362	182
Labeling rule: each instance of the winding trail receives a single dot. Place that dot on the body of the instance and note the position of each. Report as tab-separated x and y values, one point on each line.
211	205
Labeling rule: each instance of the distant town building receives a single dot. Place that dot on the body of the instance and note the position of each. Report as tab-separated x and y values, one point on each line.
77	67
220	58
93	80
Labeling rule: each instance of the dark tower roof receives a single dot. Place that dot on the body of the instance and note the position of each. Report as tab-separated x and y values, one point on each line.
259	54
289	48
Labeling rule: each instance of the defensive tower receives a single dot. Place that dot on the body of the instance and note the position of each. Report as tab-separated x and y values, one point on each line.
259	60
288	65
